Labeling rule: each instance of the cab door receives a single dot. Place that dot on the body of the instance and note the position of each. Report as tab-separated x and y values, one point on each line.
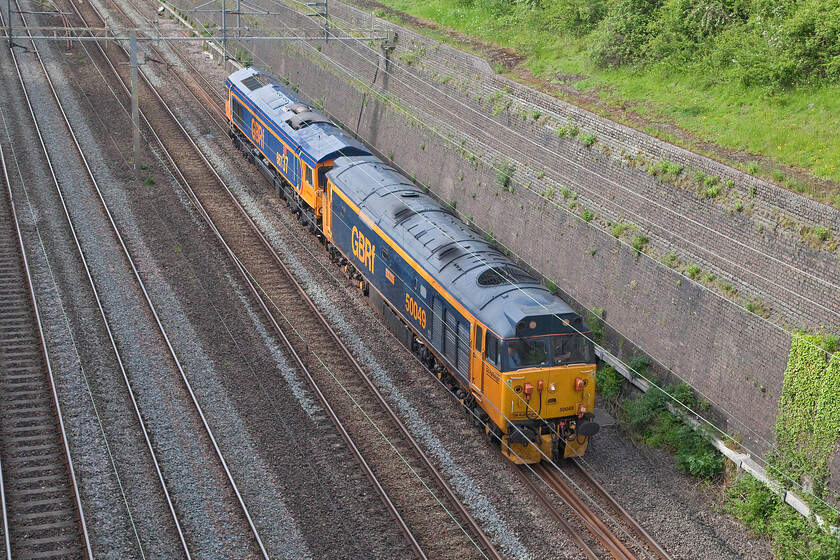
477	367
326	218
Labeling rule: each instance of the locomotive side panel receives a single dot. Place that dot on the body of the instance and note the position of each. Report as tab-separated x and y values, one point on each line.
380	263
262	134
443	328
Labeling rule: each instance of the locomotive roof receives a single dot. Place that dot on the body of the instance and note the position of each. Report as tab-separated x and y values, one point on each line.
316	136
492	287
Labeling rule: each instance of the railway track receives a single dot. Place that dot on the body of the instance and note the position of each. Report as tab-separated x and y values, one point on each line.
165	343
41	507
632	528
621	540
336	377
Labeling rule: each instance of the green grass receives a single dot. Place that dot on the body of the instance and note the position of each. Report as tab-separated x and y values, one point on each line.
793	125
649	420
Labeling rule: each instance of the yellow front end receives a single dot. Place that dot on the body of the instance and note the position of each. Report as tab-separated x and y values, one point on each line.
555	394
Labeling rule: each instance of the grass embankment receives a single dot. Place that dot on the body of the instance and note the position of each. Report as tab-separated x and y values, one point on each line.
756	76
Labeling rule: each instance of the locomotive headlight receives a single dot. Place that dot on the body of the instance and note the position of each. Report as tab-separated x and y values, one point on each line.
552	387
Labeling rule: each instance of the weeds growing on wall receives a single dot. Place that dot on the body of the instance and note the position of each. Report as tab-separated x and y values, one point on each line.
809	410
595	321
806	432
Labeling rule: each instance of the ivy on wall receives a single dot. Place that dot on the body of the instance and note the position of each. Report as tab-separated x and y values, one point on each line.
808	421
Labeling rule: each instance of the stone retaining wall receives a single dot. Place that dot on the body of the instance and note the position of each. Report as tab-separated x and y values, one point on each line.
447	120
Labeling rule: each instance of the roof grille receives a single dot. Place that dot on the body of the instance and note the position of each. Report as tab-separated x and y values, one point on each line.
253	82
504	275
403	214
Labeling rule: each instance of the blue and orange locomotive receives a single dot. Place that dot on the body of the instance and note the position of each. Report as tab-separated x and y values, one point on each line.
515	353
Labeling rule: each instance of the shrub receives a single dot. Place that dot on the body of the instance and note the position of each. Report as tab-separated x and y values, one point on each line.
618	229
764	513
622	34
821	233
608	383
587	215
577	17
651	420
587	139
711	186
758	307
671	260
639	243
666	169
693	271
504	174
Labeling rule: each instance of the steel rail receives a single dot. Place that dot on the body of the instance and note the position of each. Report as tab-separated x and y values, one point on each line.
585	548
106	322
635	526
486	543
162	329
6	537
44	349
599	529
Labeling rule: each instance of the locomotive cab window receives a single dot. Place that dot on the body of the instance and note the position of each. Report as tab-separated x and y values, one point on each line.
525	353
308	171
491	351
571	349
479	338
